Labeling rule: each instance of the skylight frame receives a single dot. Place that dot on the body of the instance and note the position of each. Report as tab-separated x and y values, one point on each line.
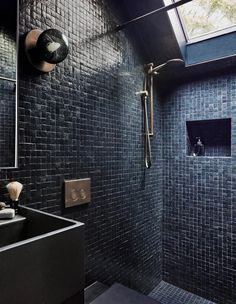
201	37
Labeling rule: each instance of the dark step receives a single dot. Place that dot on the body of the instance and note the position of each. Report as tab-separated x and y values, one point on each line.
119	294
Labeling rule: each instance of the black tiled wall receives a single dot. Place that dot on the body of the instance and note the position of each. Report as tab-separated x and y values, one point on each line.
199	223
7	97
7	123
84	120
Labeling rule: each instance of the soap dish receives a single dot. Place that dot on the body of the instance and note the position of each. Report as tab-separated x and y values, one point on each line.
7	213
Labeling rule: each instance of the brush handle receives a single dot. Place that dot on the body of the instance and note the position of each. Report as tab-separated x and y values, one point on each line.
14	205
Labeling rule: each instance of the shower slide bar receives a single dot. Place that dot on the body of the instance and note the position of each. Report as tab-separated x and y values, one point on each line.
148	102
147	143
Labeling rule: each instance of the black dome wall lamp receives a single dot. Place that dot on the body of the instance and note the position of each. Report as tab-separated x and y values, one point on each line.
44	49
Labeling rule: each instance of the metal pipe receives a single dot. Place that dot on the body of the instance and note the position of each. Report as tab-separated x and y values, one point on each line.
159	10
7	79
147	143
151	132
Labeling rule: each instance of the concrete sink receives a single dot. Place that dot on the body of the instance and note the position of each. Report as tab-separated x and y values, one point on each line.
42	259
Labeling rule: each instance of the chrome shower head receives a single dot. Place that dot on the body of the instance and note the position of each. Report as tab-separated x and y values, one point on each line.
172	62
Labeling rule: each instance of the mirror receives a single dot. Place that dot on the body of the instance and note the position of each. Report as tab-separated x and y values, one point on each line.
8	83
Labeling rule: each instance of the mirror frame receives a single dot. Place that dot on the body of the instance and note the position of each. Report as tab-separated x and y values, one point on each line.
15	165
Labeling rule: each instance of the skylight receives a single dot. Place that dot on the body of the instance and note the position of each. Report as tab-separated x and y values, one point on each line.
201	17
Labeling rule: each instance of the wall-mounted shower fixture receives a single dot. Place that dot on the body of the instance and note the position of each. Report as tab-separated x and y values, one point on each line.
151	71
45	49
147	96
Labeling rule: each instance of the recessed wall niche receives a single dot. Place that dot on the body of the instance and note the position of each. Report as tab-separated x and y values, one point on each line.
211	138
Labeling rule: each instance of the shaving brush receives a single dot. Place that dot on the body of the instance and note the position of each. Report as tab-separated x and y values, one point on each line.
14	189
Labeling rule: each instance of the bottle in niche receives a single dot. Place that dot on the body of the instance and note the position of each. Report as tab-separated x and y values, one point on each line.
198	148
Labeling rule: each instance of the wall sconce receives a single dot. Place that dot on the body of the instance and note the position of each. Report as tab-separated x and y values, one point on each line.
44	49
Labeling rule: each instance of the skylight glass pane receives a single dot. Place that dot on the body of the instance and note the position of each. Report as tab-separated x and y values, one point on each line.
201	17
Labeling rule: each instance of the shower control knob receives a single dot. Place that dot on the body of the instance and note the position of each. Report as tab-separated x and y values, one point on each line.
142	93
52	46
44	49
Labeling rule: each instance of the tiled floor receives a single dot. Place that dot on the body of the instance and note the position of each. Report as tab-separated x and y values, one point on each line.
166	293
